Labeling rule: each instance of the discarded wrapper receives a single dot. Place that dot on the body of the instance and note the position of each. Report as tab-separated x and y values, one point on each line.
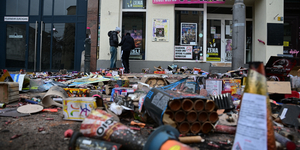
100	124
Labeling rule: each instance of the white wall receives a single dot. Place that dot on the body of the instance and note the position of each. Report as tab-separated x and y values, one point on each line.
159	51
110	19
265	11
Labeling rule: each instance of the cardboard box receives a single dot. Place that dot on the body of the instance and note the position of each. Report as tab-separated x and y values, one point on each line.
153	82
123	83
121	91
213	87
9	92
78	108
233	85
279	87
77	92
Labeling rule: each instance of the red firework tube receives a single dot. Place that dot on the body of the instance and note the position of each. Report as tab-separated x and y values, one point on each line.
99	124
170	113
210	105
191	116
175	104
206	127
213	117
196	127
187	104
202	117
198	105
225	129
179	116
184	127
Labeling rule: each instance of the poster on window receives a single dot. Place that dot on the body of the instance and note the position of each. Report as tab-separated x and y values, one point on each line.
138	38
133	4
183	52
160	30
213	51
188	34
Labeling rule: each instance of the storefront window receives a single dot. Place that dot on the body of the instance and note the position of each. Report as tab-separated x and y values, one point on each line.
135	23
64	7
213	52
16	7
134	4
188	35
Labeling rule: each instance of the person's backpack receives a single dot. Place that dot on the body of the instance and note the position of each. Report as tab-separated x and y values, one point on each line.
109	33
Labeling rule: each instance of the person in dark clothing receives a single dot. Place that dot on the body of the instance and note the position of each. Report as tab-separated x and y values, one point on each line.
113	42
127	44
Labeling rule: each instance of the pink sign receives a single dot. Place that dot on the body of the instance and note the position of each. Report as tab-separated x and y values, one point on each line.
187	1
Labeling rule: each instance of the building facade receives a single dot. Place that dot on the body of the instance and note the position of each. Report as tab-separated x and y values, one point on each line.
42	35
193	35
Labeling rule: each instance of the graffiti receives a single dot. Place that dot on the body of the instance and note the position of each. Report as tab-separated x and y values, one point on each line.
294	52
84	110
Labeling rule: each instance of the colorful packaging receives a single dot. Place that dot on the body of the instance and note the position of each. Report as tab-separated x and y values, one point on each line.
78	108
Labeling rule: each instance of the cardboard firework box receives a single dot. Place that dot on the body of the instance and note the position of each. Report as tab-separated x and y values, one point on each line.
78	108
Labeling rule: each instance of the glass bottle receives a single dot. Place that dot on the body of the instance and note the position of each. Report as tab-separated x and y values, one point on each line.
255	126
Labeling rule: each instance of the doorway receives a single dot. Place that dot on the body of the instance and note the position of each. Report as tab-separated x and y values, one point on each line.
42	35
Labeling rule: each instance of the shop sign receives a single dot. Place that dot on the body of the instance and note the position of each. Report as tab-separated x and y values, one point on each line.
187	1
183	52
23	19
133	4
160	30
15	36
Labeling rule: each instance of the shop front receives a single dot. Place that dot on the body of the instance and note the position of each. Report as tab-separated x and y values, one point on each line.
186	33
42	35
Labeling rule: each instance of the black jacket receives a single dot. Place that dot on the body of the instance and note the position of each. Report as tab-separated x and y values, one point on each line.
127	43
113	38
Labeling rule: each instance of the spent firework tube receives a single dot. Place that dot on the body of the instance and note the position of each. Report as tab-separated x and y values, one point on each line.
100	124
78	141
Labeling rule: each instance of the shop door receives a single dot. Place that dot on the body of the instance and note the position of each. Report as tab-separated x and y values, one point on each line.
219	38
52	38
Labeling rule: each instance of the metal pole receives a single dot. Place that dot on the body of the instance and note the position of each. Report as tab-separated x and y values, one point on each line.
87	55
238	36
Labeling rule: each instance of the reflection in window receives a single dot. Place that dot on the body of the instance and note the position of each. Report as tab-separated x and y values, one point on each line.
47	7
134	23
16	7
46	46
64	7
15	45
63	46
189	34
34	7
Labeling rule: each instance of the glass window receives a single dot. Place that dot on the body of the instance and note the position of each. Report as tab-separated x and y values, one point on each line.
64	7
189	35
63	46
46	46
16	7
227	10
135	23
134	4
15	45
189	5
34	7
248	41
213	52
48	7
32	44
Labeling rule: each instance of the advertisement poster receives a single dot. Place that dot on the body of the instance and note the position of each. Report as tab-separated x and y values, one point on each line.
188	34
228	50
160	30
213	51
138	39
183	52
133	4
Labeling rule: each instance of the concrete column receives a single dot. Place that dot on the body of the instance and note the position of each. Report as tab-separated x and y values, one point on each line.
92	22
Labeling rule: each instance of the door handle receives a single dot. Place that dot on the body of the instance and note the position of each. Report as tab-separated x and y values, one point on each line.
41	45
35	45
